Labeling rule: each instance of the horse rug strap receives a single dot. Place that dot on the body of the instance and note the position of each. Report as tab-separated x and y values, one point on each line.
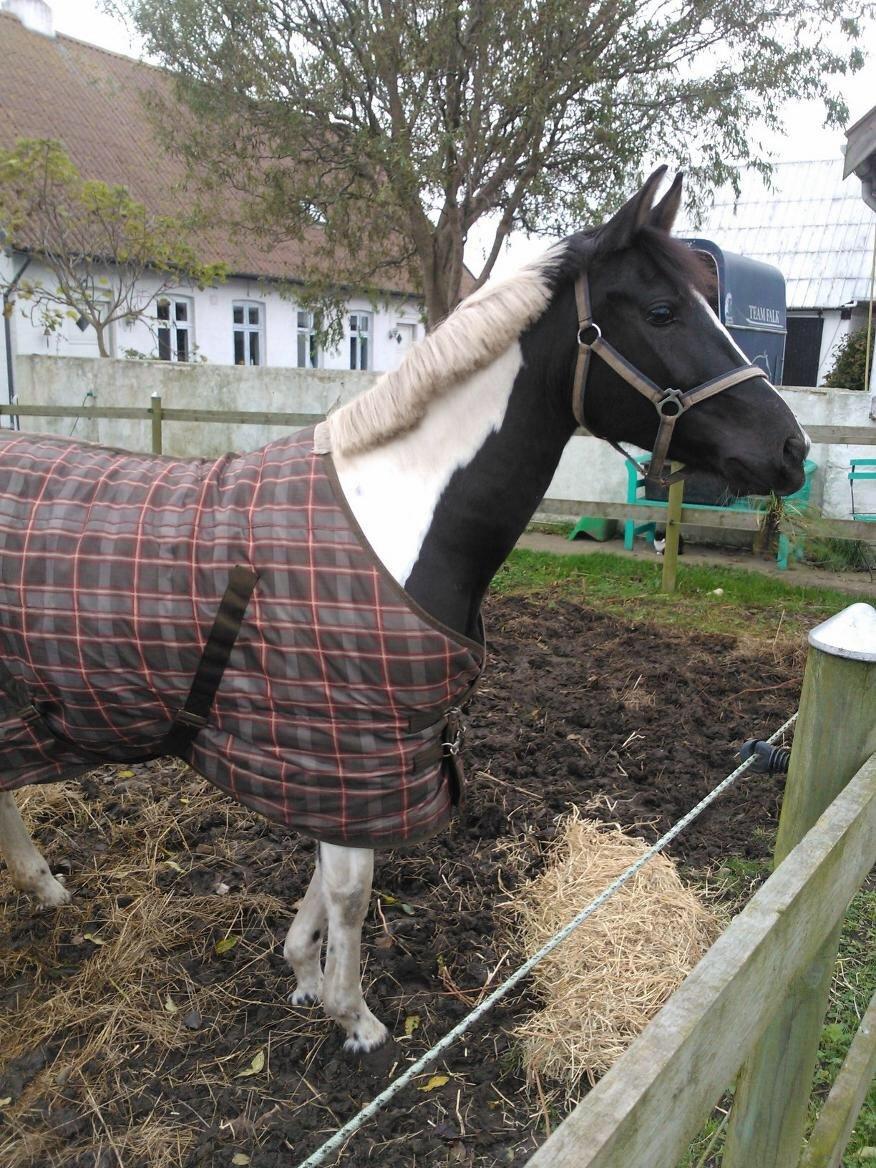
193	716
669	403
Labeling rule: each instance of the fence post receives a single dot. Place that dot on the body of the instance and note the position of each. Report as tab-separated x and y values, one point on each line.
673	531
155	407
835	734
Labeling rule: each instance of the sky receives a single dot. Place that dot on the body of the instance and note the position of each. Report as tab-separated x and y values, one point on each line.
805	138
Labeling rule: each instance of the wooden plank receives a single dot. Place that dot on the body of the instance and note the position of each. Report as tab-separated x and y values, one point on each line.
842	1106
843	435
243	417
654	1100
233	417
698	516
724	520
669	576
820	435
837	435
141	412
772	1096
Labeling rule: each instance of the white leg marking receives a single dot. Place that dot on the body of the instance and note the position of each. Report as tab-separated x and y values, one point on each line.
29	871
304	943
394	489
346	886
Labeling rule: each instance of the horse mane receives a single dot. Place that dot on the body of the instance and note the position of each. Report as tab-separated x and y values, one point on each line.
478	331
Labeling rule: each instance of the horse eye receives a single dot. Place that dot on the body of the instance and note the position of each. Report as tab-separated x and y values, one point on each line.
660	314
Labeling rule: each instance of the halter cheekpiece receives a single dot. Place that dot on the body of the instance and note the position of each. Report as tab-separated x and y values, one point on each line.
670	404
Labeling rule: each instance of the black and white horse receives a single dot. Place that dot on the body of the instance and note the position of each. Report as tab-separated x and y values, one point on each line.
444	461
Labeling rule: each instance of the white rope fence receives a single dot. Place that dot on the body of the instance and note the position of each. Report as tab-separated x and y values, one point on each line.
425	1060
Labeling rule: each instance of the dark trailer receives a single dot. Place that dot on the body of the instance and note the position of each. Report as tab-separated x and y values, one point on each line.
750	302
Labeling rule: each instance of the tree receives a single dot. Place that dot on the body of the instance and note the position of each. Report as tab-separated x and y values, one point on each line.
850	362
99	244
396	125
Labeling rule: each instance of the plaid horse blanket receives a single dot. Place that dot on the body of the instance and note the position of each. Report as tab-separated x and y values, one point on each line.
332	714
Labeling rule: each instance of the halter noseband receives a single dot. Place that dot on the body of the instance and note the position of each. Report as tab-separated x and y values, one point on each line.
669	403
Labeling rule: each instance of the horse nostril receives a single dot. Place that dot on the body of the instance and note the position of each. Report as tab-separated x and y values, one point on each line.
795	448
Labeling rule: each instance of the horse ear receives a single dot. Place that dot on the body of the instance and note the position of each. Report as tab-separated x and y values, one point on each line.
625	224
663	214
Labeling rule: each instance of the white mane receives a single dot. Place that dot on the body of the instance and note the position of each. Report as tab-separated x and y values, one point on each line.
476	333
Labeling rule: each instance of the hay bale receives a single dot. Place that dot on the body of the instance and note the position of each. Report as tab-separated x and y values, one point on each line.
610	977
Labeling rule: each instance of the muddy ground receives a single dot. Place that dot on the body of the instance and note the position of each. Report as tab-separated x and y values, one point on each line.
128	1038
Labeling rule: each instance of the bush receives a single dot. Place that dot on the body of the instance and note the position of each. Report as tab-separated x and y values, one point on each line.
847	371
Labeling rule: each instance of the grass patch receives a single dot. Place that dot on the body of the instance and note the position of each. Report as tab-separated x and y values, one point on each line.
714	599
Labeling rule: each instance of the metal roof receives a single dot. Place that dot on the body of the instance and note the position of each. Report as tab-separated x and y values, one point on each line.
811	224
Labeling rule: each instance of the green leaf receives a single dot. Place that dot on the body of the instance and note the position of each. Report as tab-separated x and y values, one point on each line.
225	945
170	1005
95	940
255	1067
240	1158
5	1102
411	1023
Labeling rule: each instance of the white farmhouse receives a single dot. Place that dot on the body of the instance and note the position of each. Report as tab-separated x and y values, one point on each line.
92	101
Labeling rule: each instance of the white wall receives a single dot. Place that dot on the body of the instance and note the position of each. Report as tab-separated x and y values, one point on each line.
211	325
588	470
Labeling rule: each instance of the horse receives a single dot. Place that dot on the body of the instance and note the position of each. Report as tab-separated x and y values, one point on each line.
112	566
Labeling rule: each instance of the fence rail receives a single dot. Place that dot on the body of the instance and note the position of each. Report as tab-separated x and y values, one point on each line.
158	414
841	435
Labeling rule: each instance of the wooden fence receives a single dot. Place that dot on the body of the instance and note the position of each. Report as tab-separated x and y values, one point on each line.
757	999
158	416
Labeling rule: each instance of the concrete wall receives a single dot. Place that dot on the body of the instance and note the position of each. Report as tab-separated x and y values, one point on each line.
589	468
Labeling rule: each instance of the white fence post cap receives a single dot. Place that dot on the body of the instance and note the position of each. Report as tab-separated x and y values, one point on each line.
851	633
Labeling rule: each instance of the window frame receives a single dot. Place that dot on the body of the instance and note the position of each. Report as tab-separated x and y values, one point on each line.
247	330
307	333
360	338
175	328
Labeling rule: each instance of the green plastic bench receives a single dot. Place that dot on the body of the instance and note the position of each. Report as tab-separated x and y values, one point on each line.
858	474
748	503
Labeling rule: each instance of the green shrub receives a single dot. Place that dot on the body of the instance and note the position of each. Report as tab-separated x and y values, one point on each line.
847	371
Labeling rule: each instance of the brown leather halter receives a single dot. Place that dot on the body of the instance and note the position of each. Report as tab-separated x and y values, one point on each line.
669	403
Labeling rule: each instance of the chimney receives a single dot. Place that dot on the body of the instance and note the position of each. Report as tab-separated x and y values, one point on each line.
33	14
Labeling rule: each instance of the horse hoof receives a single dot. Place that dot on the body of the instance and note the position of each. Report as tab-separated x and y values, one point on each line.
51	894
366	1039
304	998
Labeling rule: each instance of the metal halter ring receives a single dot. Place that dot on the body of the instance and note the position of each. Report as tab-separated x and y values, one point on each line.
597	334
673	398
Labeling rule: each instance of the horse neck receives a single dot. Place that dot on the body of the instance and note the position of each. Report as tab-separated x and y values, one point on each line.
443	505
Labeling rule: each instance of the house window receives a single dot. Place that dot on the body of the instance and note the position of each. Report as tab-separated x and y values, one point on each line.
307	353
248	318
174	328
360	332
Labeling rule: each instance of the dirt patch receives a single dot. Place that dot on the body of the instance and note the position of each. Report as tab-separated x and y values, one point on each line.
127	1038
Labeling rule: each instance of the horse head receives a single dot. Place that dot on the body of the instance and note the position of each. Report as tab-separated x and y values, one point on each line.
650	322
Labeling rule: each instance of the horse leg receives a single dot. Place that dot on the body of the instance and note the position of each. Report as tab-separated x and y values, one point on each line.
27	867
346	887
304	942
